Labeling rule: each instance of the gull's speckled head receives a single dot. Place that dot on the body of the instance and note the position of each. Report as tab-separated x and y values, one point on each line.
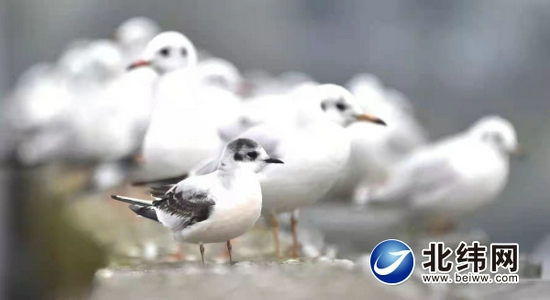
246	153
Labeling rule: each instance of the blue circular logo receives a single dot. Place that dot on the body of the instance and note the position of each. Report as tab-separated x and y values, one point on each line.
392	262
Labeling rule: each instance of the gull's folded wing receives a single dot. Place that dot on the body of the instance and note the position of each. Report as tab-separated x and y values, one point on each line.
187	203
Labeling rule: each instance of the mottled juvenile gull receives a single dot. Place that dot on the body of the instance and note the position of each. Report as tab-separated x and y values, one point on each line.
215	207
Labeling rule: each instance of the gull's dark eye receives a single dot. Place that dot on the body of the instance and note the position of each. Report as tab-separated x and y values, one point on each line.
252	154
183	51
341	106
493	137
164	52
219	80
244	121
498	138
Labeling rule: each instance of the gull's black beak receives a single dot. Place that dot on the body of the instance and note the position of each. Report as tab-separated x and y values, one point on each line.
137	64
370	118
274	161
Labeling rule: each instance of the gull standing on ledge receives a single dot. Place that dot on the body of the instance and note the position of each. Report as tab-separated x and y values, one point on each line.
453	177
211	208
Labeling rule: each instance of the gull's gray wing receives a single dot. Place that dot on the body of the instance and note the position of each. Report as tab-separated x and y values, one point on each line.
188	203
417	179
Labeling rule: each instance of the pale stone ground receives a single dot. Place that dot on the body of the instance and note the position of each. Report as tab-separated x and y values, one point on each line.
339	279
337	239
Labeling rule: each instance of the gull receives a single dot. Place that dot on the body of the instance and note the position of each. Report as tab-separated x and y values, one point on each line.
182	102
133	35
43	95
315	148
373	149
215	207
455	176
26	111
64	98
110	123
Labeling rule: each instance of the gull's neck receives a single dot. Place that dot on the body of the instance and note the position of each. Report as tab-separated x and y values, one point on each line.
183	75
309	113
229	173
305	120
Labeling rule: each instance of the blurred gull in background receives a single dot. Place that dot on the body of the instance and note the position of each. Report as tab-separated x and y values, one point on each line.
453	177
189	107
133	35
53	120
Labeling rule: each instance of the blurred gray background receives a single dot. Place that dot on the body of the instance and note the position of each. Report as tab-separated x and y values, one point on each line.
456	60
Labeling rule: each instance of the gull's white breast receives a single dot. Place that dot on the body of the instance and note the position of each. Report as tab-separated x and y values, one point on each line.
237	209
180	134
313	160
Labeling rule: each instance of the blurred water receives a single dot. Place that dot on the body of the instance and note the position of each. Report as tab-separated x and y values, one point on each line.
457	61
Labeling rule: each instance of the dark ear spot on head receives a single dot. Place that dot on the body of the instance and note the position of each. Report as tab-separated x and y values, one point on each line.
323	106
237	157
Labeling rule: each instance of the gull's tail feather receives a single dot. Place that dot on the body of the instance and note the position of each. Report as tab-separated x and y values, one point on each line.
144	211
134	201
163	181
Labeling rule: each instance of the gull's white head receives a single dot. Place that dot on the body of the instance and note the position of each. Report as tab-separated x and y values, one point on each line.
74	58
167	52
245	154
135	33
105	59
335	103
364	82
219	72
497	132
